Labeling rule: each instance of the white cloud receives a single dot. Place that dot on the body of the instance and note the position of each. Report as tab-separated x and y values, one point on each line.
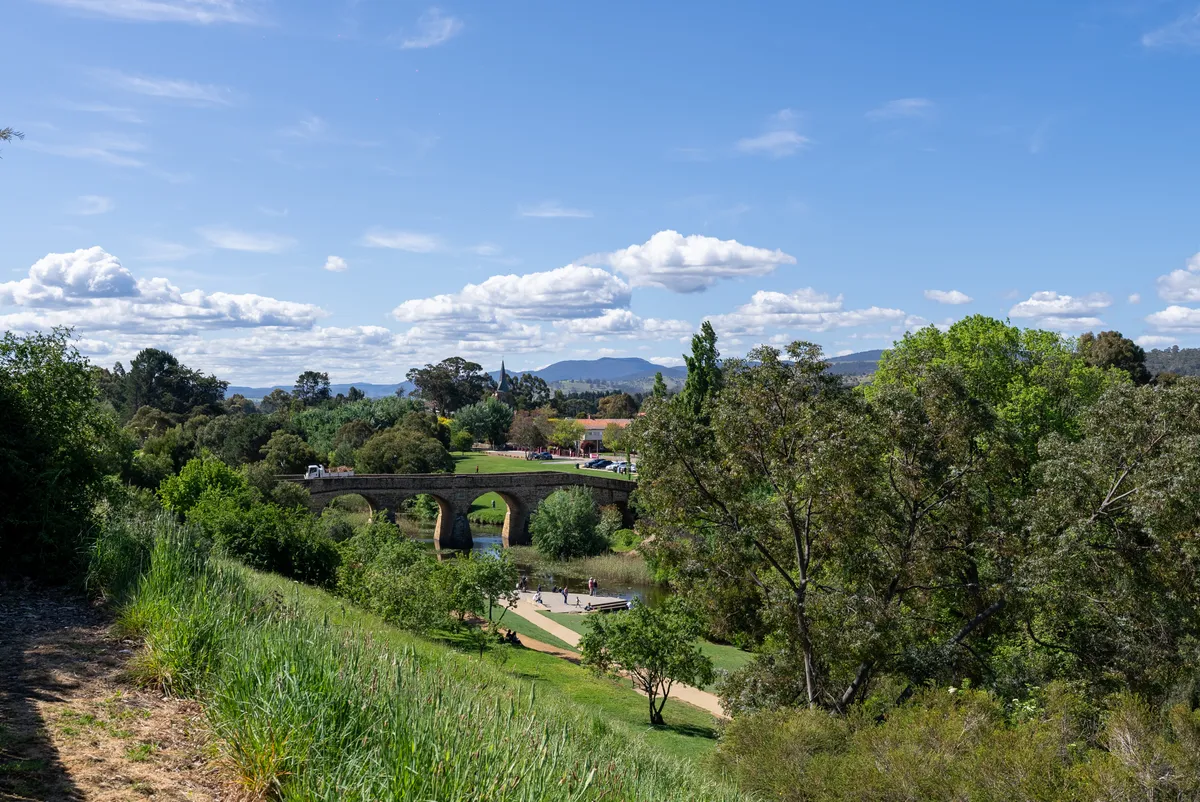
1183	32
104	148
197	12
433	28
805	310
667	361
485	249
570	291
948	296
1050	310
233	240
780	139
1136	298
159	251
64	279
552	209
91	290
1181	285
410	241
311	127
624	323
902	108
693	263
1155	341
336	264
92	204
1181	319
171	89
773	143
119	113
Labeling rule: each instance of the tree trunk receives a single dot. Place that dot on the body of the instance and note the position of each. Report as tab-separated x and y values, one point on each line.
655	714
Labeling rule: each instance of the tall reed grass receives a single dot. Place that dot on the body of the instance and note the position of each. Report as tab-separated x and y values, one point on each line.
307	710
620	569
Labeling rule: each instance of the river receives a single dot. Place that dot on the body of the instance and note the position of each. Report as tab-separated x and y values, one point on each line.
486	539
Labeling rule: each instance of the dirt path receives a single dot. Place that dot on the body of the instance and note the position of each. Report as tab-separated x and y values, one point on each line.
71	726
684	693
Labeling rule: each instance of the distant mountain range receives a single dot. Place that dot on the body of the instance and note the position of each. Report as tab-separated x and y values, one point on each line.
630	374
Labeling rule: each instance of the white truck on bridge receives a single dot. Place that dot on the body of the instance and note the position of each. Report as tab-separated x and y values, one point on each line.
319	472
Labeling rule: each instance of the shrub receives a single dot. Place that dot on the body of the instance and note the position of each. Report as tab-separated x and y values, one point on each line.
565	523
461	440
266	536
610	521
395	578
206	473
287	453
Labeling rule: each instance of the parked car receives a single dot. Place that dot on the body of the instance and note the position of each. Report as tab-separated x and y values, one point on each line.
543	455
597	463
618	466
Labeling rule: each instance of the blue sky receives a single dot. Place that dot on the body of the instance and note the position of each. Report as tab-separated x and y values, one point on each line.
360	186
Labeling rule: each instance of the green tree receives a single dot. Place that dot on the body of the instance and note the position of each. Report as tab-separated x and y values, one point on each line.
157	379
278	400
617	405
531	430
660	386
288	453
355	394
403	451
529	391
461	440
311	388
616	437
1110	349
704	370
451	384
655	646
181	492
57	442
567	433
564	525
488	420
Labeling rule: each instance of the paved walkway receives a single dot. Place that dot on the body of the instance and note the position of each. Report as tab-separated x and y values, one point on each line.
576	602
531	613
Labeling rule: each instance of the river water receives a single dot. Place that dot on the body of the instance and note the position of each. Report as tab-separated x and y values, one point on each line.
486	539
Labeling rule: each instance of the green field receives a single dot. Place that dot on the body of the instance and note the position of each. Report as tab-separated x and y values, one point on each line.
467	463
724	658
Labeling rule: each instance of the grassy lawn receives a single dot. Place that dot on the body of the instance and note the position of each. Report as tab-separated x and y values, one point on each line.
467	463
690	733
528	629
724	658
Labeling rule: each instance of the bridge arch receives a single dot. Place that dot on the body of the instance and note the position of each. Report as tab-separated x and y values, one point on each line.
454	494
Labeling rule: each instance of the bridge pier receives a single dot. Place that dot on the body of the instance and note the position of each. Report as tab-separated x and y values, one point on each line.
452	529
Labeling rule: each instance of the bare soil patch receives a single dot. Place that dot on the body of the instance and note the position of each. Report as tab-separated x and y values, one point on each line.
73	727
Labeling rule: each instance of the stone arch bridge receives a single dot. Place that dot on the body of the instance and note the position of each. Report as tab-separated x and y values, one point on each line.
454	493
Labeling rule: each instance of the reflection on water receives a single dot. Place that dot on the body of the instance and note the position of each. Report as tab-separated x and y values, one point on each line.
487	539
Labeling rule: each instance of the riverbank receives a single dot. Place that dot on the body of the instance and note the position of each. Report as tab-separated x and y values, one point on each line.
275	664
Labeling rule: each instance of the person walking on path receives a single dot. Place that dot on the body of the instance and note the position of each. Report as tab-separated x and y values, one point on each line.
564	589
591	586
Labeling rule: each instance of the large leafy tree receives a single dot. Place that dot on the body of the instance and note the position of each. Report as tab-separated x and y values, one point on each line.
564	525
489	419
56	443
157	379
655	646
403	450
531	430
451	383
311	388
1110	349
529	391
288	453
617	405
